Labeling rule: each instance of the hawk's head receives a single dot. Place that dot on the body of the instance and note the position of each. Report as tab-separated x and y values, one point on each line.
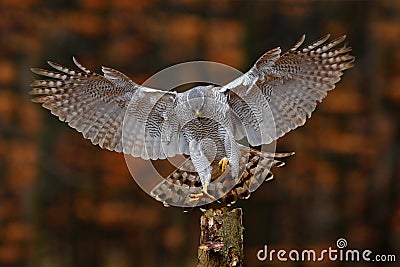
195	98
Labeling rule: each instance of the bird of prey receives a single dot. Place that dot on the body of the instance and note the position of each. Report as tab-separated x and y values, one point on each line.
205	123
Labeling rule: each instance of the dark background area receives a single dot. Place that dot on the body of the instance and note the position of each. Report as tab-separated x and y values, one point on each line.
65	202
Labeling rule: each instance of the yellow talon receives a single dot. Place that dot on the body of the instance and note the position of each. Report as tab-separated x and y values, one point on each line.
196	197
223	163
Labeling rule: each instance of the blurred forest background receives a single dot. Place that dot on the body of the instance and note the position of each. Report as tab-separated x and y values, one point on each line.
65	202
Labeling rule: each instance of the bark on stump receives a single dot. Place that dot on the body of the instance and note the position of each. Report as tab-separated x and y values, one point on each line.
221	238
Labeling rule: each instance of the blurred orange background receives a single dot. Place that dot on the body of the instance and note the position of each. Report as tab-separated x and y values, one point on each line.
65	202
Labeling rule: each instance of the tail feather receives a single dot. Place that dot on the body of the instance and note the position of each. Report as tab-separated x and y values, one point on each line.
184	181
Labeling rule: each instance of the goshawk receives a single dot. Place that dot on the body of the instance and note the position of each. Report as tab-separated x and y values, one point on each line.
206	123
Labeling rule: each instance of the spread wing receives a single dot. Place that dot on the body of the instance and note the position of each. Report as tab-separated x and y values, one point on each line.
111	110
280	92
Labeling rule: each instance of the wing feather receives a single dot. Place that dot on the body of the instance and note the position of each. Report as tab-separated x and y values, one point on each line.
286	88
111	110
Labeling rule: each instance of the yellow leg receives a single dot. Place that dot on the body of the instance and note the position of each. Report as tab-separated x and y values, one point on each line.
223	163
197	197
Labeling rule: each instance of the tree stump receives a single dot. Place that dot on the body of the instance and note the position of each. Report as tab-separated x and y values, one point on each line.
221	238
